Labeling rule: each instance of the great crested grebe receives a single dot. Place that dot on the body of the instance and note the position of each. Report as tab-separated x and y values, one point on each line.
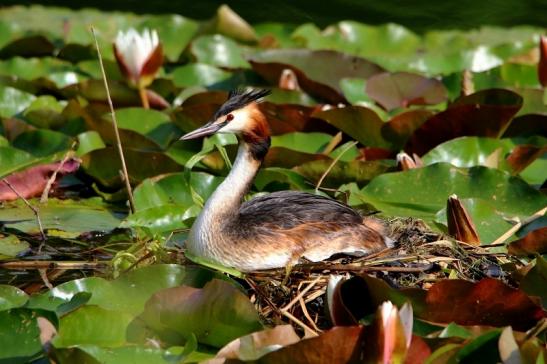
274	230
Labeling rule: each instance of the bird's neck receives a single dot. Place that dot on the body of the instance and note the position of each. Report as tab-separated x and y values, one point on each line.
227	198
223	206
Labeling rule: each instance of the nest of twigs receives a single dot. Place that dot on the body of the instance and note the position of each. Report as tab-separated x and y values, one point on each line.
420	258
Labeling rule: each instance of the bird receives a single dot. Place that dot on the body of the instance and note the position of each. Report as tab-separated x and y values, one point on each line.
274	230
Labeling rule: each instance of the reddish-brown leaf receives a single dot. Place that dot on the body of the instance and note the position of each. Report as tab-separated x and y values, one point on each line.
488	302
527	125
402	89
485	113
252	346
523	155
342	344
309	67
542	65
401	126
32	181
533	242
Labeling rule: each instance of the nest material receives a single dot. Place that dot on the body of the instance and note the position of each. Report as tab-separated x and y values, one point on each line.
421	258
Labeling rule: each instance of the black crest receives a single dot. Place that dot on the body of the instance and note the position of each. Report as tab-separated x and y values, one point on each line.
240	98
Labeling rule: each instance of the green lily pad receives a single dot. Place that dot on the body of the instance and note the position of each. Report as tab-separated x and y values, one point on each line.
89	141
165	218
128	293
360	172
104	165
13	101
71	216
302	142
174	32
489	152
153	124
198	74
534	281
422	192
385	44
281	178
468	151
13	160
11	297
11	246
127	354
19	336
92	325
174	189
219	51
490	223
43	142
30	46
216	314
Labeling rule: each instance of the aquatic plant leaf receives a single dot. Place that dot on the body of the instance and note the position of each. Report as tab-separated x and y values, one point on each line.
534	281
32	181
216	314
218	50
92	325
485	113
71	216
432	184
533	242
198	74
10	296
341	344
174	31
257	344
309	67
104	165
128	293
19	336
13	101
360	123
403	89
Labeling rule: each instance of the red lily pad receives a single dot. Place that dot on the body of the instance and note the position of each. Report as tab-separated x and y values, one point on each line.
488	302
309	67
527	125
32	181
360	123
485	113
533	242
402	89
338	345
542	65
403	125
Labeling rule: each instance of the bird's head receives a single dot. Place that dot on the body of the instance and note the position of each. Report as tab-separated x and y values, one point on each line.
239	115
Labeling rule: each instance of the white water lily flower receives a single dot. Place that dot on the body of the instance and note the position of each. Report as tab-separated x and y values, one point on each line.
139	55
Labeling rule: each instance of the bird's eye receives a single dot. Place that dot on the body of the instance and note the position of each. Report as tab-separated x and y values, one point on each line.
229	117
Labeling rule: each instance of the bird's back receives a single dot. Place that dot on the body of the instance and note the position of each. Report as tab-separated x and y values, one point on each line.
287	225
